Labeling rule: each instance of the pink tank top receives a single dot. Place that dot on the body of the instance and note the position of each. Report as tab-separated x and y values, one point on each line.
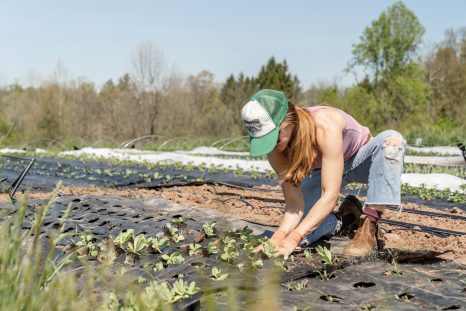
354	135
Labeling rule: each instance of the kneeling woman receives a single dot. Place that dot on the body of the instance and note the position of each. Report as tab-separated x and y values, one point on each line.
316	151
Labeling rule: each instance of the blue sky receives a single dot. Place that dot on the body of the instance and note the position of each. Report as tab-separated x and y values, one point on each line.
95	39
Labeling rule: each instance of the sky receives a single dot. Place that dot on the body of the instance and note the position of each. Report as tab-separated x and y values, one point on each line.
94	40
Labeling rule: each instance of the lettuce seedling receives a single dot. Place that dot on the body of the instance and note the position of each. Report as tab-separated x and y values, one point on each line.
209	228
182	290
217	275
194	249
212	248
228	242
325	254
123	238
173	258
229	254
297	285
86	246
178	221
307	253
268	249
157	244
135	248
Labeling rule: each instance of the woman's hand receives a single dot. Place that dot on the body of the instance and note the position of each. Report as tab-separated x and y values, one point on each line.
289	243
276	240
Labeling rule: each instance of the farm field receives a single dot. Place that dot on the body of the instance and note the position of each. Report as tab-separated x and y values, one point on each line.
180	234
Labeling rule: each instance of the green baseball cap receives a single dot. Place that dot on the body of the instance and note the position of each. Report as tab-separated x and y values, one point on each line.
262	116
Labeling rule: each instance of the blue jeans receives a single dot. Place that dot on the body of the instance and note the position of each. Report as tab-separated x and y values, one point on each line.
375	164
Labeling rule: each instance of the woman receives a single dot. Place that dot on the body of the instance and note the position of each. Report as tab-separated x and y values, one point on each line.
315	152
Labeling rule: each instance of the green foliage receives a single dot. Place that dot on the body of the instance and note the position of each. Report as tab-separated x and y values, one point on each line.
275	75
123	238
157	244
209	228
217	274
325	254
138	244
297	286
389	44
173	258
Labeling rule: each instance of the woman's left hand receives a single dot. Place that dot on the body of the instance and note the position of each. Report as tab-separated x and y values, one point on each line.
289	244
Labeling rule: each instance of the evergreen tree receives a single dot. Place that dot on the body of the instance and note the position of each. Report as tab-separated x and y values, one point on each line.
275	75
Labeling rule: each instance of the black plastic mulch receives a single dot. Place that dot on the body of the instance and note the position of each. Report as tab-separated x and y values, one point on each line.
356	284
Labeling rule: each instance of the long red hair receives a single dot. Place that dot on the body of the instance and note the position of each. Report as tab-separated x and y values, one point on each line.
302	145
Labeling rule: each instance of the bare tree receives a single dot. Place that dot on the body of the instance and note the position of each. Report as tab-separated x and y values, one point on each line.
149	71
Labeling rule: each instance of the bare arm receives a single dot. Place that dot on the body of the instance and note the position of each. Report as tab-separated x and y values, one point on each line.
294	200
330	138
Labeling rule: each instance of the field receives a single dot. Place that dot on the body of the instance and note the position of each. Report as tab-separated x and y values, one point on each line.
121	235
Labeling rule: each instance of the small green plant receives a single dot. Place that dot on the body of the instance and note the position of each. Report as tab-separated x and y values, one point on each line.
209	228
86	246
228	241
307	253
326	255
229	254
194	249
158	266
178	221
268	249
173	258
212	248
123	238
157	244
217	275
181	290
325	276
296	286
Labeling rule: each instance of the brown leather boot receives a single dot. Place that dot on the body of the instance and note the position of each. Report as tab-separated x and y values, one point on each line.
350	211
364	240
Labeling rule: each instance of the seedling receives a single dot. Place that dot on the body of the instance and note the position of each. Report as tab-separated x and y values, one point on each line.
324	276
212	248
268	249
158	266
194	249
182	290
295	286
157	244
329	298
245	234
217	275
86	246
123	238
279	263
178	221
228	241
326	255
135	248
229	254
255	263
173	258
307	253
209	228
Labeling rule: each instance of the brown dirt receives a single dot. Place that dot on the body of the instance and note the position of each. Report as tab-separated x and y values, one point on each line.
250	205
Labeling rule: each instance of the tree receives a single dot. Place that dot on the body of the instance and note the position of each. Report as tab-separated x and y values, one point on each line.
235	93
389	44
149	73
275	75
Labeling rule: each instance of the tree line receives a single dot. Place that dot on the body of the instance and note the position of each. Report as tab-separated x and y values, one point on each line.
422	96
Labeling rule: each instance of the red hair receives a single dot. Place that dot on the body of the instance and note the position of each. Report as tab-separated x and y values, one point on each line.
302	145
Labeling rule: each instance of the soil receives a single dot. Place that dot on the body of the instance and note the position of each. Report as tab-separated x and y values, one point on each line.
255	206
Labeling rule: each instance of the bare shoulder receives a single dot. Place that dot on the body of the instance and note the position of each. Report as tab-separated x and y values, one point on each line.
329	119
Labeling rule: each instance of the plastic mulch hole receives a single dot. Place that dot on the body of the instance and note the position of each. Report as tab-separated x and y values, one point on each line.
76	200
404	296
453	307
363	284
436	280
